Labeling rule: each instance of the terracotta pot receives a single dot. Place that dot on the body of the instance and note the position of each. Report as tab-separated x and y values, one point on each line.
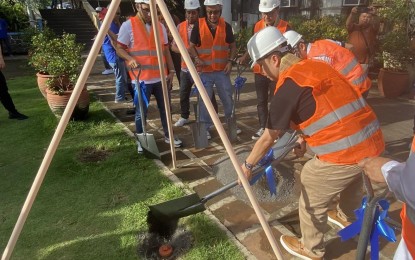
43	78
392	84
41	82
57	104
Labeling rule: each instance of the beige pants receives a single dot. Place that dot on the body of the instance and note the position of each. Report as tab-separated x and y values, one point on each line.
320	183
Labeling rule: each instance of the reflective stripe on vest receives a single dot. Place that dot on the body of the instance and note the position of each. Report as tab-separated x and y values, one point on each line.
349	67
185	37
214	51
282	27
144	50
348	141
334	116
342	60
343	128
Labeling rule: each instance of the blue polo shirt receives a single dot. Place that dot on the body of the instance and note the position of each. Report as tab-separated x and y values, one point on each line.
3	29
107	47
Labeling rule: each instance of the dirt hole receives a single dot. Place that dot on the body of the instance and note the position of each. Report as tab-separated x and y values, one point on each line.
92	154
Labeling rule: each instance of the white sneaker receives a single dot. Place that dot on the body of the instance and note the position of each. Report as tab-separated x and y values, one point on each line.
139	148
177	141
238	131
208	135
107	72
182	121
258	134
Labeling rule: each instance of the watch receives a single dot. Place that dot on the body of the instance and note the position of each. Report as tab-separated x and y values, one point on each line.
248	165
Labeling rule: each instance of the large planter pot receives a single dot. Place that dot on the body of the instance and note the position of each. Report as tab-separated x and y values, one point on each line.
41	82
392	84
57	103
43	78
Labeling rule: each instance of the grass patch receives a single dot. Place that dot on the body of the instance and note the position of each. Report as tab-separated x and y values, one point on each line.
94	198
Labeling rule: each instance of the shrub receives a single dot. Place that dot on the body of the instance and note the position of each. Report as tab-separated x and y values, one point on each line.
326	27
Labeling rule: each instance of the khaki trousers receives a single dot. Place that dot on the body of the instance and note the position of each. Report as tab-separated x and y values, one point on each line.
321	182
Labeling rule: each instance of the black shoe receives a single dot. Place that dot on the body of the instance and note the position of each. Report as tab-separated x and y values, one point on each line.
18	116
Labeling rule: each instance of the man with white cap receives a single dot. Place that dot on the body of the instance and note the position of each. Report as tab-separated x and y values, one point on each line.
341	59
185	29
337	124
136	45
213	47
270	17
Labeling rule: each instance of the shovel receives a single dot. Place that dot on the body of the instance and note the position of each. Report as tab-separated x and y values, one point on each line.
147	141
169	211
231	122
199	128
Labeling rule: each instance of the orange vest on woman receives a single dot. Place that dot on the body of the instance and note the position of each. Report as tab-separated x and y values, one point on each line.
342	60
144	50
213	51
343	129
408	219
282	26
185	37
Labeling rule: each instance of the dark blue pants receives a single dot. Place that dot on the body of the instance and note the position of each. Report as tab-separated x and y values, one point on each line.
157	91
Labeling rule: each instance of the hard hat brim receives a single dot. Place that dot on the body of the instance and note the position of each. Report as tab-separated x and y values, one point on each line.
266	10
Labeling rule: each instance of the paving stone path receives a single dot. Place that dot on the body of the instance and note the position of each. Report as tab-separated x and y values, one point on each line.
199	170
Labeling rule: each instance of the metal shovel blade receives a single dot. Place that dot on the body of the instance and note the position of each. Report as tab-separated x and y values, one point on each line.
178	208
148	143
232	128
199	135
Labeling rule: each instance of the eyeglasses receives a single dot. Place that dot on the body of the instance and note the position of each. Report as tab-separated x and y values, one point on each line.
271	13
214	12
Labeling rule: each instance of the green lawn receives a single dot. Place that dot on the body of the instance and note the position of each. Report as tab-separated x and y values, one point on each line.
94	198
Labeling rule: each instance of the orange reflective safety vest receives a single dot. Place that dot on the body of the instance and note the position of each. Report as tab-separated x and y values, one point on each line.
184	34
343	129
213	51
408	219
342	60
144	50
282	26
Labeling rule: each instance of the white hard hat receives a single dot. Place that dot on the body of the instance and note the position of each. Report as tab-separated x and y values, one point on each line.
264	42
293	38
98	9
213	2
266	6
191	4
142	1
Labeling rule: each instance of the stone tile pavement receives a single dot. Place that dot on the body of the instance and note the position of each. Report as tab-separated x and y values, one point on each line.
199	170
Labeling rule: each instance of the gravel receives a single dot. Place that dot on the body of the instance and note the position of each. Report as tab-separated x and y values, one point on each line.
284	179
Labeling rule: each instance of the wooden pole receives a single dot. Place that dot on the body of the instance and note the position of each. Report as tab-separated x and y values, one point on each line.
228	146
60	130
159	48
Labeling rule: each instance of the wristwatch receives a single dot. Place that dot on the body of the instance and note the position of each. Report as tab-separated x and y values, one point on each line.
248	165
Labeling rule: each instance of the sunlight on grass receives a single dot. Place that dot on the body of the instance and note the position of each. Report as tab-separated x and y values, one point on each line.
94	199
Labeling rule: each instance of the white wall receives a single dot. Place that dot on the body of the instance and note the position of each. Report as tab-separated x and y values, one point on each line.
226	11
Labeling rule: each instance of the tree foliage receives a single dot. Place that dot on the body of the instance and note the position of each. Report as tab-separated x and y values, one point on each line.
326	27
15	15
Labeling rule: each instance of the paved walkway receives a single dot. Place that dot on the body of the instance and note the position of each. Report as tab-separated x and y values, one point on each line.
207	169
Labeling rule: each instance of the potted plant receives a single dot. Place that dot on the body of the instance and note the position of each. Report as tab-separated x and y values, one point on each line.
39	52
60	58
395	47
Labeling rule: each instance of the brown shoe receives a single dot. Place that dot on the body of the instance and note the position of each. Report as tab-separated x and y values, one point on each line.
294	247
334	218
